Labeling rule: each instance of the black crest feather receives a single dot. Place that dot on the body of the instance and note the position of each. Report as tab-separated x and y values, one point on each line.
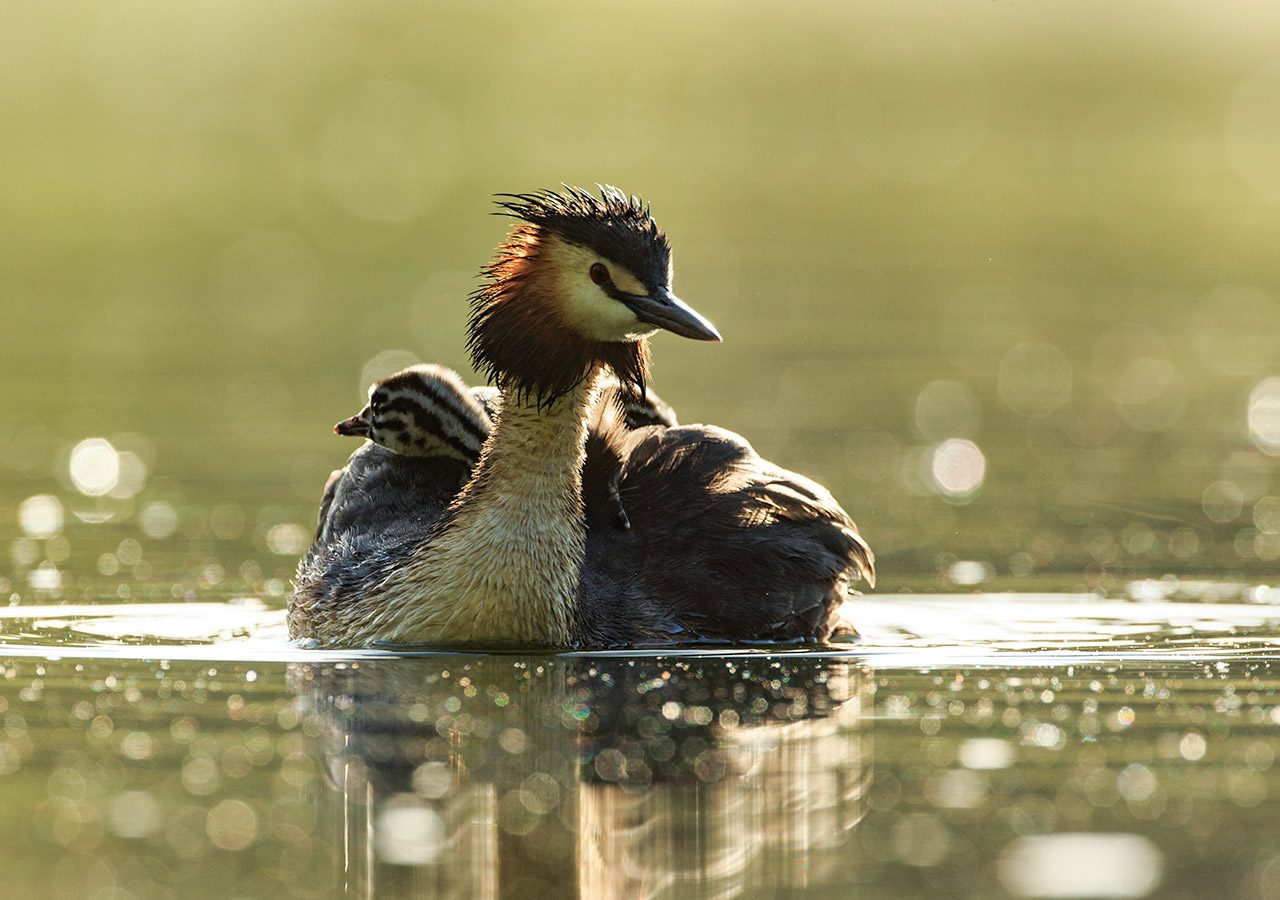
617	226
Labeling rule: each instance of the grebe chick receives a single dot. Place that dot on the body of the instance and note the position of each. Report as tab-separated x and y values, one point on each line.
575	291
425	432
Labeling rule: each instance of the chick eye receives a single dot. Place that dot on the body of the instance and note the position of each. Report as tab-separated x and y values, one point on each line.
599	273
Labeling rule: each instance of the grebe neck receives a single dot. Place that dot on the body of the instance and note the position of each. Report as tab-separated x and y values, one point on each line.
507	565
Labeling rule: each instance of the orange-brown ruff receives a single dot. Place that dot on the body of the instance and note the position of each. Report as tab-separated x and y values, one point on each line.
721	545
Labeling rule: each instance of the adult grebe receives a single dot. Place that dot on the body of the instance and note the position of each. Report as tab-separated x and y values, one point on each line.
722	544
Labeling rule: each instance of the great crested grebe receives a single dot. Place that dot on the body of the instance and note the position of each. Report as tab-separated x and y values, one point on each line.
722	545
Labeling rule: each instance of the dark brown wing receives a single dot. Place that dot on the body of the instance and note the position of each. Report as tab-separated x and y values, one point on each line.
722	545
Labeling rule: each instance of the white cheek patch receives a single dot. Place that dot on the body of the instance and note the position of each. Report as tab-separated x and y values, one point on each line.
590	310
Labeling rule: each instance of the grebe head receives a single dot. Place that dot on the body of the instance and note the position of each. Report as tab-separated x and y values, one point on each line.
581	281
422	411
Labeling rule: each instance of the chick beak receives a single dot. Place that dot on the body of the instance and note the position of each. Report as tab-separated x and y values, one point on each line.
356	426
667	311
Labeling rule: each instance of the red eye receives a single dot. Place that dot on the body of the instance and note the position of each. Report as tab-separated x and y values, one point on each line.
599	274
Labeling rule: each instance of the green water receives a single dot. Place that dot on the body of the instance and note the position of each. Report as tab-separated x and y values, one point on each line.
1001	275
995	745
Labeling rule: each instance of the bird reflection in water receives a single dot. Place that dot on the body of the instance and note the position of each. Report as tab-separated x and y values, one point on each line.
603	776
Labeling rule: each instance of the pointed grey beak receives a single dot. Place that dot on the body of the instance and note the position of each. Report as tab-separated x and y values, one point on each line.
667	311
356	426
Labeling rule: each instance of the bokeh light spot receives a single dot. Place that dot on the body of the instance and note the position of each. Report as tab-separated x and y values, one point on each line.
94	467
1149	393
45	577
1192	746
132	476
1266	515
921	839
1081	865
158	520
1035	379
958	468
287	539
968	572
947	409
232	825
986	753
1136	783
408	833
1222	502
40	516
1264	416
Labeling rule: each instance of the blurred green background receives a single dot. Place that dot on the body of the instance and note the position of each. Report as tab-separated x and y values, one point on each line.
1002	275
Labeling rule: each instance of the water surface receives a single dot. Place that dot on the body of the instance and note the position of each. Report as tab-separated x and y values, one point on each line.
989	745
